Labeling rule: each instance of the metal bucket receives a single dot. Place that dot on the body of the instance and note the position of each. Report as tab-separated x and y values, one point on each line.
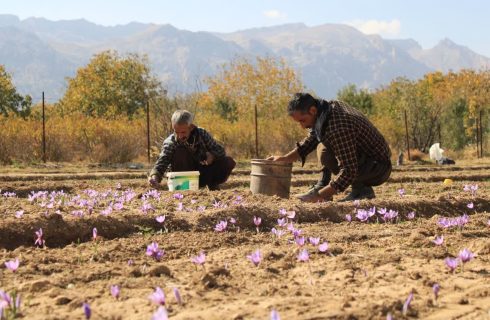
270	177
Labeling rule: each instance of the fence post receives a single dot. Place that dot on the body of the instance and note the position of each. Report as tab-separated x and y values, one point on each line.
406	135
148	129
256	134
44	133
481	134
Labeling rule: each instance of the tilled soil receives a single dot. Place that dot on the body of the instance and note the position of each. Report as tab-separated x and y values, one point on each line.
369	270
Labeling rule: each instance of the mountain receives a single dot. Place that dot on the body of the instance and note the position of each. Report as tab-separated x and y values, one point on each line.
41	53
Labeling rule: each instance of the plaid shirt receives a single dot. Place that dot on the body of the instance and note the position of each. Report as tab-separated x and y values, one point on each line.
348	132
199	142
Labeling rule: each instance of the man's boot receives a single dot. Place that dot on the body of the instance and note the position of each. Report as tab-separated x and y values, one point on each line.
321	183
359	192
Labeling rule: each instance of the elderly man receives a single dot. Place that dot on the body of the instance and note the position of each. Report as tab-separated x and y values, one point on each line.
191	148
347	144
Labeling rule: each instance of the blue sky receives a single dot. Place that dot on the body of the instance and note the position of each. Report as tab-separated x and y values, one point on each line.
465	22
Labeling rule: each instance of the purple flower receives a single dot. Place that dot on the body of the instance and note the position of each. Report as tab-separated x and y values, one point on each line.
465	255
283	212
178	297
277	233
94	234
323	247
160	314
300	241
348	218
357	203
314	241
221	226
178	196
199	259
12	265
389	316
451	263
470	205
401	192
153	251
435	288
275	315
438	240
255	257
281	222
411	215
118	206
115	291
232	220
39	240
130	262
146	207
303	255
158	297
19	214
406	305
87	311
107	211
160	219
180	206
201	208
362	215
257	221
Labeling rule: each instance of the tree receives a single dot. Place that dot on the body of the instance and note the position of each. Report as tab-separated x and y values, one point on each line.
359	99
10	100
109	86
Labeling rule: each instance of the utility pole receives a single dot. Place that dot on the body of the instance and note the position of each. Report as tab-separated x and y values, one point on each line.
44	133
406	135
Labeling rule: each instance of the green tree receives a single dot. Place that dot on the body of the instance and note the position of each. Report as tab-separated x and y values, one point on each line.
12	102
361	99
110	86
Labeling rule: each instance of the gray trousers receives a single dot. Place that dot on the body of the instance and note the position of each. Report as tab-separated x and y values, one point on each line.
370	172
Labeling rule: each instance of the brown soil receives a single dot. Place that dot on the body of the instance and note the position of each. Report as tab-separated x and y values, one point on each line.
369	271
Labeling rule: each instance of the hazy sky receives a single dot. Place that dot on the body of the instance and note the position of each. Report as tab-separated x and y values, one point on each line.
466	22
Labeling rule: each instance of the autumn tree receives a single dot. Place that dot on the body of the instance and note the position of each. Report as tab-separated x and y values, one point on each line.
265	83
11	102
360	99
109	86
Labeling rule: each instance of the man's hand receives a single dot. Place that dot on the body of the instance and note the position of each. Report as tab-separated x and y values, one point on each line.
277	158
153	181
314	197
209	159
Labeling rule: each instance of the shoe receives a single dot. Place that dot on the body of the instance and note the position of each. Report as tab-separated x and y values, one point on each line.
310	193
364	192
214	187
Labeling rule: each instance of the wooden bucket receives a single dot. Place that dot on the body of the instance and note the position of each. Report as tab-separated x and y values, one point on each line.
270	177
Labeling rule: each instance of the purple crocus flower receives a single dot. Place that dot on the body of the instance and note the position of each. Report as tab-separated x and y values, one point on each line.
465	255
177	296
180	206
323	247
12	265
39	240
221	226
107	211
411	215
232	220
348	218
153	251
389	316
160	314
401	192
87	310
362	215
257	221
19	213
406	305
94	234
281	222
275	315
435	288
303	255
146	207
115	291
357	203
160	219
178	196
314	241
255	257
300	241
451	263
283	212
278	233
296	232
158	296
199	259
470	205
438	240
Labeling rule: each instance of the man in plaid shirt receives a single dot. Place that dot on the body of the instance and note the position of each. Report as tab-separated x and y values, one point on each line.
348	145
191	148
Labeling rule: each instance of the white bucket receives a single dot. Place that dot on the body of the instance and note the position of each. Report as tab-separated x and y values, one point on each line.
183	180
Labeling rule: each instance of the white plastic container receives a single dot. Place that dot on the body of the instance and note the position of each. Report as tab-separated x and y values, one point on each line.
183	180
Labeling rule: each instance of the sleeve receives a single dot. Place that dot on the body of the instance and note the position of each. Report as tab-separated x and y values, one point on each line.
343	144
307	145
164	159
211	144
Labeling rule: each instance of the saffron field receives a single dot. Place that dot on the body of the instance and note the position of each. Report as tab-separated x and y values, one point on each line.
100	244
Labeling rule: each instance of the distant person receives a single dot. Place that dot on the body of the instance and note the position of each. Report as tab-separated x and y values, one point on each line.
191	148
347	144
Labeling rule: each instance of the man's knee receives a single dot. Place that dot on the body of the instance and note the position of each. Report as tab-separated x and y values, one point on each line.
327	158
